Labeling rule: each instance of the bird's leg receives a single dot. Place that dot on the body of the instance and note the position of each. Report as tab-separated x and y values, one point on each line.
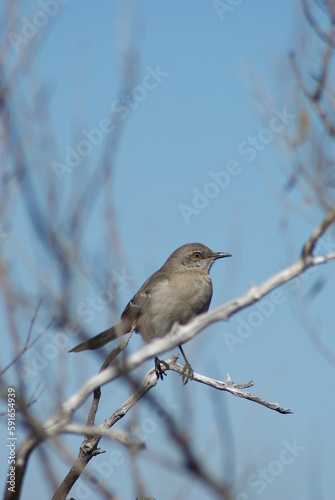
188	372
158	367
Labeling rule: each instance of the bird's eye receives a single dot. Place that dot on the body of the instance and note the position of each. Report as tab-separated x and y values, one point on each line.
197	255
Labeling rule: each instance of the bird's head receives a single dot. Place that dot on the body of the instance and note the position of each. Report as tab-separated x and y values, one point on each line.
195	255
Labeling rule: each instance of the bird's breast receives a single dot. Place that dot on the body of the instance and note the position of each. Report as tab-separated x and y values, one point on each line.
175	300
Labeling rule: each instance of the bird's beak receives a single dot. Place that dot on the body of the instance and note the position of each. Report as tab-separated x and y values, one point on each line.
221	255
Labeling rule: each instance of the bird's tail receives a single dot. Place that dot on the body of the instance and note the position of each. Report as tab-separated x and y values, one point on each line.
103	338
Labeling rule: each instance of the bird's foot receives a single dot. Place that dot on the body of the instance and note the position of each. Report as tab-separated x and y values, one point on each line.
158	368
187	373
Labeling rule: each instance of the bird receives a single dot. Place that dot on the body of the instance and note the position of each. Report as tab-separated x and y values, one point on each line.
180	290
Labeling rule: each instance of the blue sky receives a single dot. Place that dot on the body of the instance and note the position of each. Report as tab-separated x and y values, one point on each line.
214	84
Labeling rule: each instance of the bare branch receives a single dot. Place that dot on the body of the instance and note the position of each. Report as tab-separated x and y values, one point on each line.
231	387
317	233
53	427
28	344
120	436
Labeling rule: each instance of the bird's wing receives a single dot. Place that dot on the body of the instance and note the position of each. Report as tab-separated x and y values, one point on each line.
133	308
142	298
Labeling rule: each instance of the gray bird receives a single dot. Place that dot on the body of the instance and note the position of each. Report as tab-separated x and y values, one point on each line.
180	290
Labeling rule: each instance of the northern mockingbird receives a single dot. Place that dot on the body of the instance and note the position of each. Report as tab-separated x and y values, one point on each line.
180	290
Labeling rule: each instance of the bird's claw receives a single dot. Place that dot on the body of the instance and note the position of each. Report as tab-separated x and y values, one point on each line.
158	368
187	373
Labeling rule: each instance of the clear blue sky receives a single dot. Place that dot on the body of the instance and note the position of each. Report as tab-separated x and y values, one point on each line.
189	130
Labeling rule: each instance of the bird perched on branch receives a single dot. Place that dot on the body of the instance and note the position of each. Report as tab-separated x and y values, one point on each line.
180	290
